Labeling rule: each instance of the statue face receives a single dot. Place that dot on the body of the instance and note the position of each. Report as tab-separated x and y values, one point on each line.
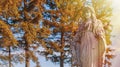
87	14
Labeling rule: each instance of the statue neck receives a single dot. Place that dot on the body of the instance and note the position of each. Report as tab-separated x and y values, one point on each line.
87	19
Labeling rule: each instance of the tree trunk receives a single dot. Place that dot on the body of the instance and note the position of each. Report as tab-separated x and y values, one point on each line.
62	60
27	62
62	53
9	57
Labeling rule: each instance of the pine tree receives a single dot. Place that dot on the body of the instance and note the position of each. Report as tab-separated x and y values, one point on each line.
25	16
61	17
9	10
33	34
7	39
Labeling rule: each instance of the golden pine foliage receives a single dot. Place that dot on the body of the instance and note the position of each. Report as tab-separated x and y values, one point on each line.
69	13
103	12
70	10
8	38
30	32
9	8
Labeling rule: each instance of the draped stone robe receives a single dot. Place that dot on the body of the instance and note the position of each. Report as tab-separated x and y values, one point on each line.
88	45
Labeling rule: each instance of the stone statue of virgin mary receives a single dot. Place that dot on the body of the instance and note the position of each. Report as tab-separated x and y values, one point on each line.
88	44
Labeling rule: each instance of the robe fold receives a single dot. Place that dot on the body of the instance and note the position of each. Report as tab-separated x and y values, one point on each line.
88	45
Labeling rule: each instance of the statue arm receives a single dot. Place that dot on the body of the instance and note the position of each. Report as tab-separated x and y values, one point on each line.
100	35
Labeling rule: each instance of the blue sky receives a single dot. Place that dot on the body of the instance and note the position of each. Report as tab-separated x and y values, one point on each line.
43	63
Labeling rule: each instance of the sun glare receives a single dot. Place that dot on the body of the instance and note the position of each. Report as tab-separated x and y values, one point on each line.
116	4
116	12
116	30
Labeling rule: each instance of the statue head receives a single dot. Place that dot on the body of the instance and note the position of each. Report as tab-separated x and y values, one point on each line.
88	12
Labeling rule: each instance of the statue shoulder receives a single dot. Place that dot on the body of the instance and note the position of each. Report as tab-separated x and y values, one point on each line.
98	23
